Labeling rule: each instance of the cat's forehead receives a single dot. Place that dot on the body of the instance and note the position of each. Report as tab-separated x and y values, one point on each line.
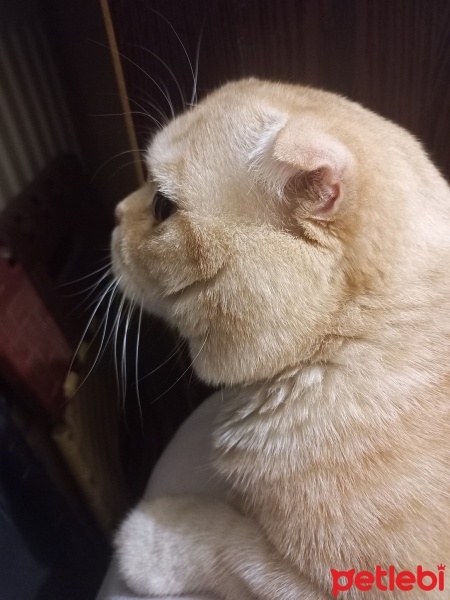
201	126
203	143
164	156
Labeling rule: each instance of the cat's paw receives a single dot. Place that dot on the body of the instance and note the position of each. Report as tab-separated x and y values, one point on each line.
158	550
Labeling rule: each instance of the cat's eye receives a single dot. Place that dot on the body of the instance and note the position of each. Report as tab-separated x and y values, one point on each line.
162	207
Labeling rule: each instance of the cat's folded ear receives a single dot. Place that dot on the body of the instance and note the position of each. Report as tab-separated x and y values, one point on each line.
296	159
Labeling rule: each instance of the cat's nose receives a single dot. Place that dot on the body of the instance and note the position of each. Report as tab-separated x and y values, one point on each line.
118	213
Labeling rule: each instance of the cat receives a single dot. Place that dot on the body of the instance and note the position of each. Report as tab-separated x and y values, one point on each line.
300	243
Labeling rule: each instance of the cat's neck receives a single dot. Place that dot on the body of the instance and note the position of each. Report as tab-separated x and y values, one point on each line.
336	390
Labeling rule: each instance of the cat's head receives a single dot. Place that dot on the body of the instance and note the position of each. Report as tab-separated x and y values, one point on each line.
269	212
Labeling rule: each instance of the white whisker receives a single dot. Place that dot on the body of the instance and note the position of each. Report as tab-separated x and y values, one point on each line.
92	301
133	151
137	102
185	371
89	290
89	324
179	39
142	71
152	104
124	350
115	353
136	367
183	99
127	164
100	350
171	355
130	112
172	110
86	276
194	98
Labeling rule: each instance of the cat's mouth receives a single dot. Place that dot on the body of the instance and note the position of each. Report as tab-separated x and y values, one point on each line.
195	287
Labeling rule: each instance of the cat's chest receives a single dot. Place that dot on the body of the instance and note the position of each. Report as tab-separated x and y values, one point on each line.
267	439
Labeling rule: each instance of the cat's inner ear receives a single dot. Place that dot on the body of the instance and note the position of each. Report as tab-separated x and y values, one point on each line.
303	164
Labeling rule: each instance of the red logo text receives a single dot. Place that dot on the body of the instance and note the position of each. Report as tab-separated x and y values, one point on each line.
388	580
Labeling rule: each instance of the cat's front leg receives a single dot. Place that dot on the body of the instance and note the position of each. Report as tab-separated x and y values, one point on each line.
186	544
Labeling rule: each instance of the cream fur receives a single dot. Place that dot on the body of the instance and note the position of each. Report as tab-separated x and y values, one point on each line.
307	266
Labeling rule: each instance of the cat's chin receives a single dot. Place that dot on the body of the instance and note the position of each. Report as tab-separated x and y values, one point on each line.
232	376
216	366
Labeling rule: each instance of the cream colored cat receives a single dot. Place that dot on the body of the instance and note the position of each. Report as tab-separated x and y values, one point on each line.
301	244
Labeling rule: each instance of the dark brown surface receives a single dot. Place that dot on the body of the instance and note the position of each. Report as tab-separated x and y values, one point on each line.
391	55
77	36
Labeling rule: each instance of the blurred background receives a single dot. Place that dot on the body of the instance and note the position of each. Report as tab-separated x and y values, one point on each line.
82	87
